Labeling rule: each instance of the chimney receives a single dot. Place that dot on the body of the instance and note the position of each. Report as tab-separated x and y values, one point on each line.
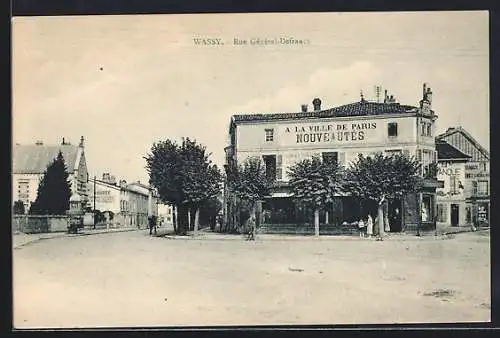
426	102
317	104
63	142
304	108
39	143
428	95
386	98
81	142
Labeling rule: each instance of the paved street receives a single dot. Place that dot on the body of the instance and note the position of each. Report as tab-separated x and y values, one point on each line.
132	279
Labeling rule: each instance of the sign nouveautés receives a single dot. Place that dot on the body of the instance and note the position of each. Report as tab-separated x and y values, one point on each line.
342	132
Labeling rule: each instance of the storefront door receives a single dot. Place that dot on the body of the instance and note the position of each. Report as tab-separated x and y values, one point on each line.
395	215
454	215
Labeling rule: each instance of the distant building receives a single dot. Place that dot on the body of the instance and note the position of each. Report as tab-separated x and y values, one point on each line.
451	197
166	213
131	204
31	161
474	206
337	134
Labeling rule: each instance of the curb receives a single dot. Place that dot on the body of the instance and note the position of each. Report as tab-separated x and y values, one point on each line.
65	234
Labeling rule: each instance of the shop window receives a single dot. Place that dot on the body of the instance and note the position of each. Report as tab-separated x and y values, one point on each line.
426	210
482	213
392	129
442	211
269	135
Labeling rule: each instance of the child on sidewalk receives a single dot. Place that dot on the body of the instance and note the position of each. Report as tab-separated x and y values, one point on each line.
361	227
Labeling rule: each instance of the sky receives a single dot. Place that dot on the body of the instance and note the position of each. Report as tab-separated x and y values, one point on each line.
125	82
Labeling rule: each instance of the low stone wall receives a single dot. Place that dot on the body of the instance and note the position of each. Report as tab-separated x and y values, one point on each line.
307	229
32	224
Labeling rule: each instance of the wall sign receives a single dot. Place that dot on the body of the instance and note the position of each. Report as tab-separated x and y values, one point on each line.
325	133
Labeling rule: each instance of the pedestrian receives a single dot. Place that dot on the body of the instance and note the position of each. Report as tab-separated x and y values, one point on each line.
151	221
369	226
361	228
251	228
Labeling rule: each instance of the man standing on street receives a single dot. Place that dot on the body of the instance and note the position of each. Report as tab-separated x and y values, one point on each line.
152	221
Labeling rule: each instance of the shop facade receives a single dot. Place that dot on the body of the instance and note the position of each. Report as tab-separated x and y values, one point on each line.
339	134
474	205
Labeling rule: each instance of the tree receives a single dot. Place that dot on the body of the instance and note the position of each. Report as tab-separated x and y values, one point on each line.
184	177
18	208
380	178
209	211
314	184
249	183
54	190
202	179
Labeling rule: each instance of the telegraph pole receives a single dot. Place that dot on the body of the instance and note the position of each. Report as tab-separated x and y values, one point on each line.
94	201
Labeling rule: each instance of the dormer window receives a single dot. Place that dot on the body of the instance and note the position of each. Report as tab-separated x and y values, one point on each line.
392	129
269	135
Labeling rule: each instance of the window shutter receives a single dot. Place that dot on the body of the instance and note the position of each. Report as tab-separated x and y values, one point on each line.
406	153
474	187
419	155
341	158
279	169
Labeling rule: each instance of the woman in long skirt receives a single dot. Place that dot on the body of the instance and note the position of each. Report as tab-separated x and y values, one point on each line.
369	226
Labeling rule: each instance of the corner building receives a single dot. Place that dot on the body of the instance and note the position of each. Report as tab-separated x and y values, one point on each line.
340	134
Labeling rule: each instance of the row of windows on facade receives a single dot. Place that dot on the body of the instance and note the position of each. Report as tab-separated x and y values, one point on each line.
392	130
274	163
125	205
479	188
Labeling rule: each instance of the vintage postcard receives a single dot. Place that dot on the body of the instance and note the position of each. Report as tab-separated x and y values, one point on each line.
251	169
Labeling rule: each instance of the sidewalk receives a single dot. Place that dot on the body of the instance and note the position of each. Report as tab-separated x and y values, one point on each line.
21	239
275	237
209	235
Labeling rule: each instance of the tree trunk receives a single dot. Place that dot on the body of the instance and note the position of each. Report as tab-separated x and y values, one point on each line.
380	223
183	222
174	217
316	222
189	223
387	226
196	220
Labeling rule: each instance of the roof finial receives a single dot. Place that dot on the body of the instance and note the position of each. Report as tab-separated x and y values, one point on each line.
361	94
81	141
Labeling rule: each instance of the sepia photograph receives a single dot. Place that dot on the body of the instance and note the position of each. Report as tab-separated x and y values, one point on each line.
250	169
